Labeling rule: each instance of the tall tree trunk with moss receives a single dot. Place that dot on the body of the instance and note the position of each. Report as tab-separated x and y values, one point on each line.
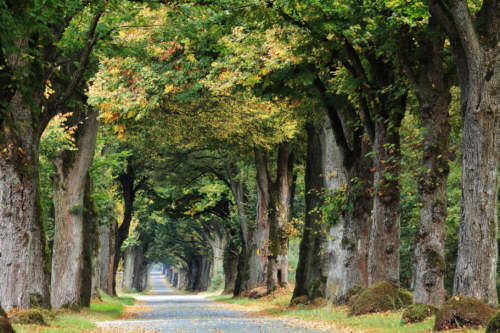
69	260
474	42
431	83
24	255
383	254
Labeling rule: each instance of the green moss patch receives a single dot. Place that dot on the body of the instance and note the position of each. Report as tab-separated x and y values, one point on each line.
494	324
352	295
380	297
463	311
418	312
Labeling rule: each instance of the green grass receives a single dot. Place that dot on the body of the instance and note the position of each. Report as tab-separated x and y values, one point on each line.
389	322
109	308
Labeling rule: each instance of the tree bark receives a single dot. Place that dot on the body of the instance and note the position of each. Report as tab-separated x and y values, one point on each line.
90	271
106	252
258	245
280	197
432	89
127	180
24	255
475	46
129	267
231	259
312	268
383	254
70	181
349	240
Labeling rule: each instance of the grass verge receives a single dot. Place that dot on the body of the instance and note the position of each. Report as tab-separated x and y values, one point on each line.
328	317
67	321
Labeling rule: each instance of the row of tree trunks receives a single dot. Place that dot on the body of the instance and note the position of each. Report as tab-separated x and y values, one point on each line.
70	260
198	275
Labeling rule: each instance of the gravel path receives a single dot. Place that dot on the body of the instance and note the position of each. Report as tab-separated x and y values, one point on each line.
173	312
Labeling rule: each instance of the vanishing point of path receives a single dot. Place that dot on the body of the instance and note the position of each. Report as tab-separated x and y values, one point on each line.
169	311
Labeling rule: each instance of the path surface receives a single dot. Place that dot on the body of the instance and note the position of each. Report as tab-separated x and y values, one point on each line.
172	312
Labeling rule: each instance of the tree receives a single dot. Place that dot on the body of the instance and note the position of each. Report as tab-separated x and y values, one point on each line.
474	42
30	57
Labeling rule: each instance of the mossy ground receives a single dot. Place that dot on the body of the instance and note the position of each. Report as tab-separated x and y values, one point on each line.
329	317
459	312
418	312
68	321
334	318
380	297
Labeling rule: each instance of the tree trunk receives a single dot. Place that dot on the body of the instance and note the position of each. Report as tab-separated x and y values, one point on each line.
217	238
90	271
107	249
475	273
277	196
24	256
129	260
127	180
475	46
383	254
104	256
70	180
312	267
431	87
257	258
231	259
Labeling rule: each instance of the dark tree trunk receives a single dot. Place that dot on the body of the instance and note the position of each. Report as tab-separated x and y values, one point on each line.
90	271
231	259
70	181
313	257
198	273
383	254
475	47
431	86
127	180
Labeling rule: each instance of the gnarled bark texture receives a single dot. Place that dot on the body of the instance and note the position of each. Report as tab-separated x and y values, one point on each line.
70	180
280	196
475	46
23	251
383	254
346	161
431	86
